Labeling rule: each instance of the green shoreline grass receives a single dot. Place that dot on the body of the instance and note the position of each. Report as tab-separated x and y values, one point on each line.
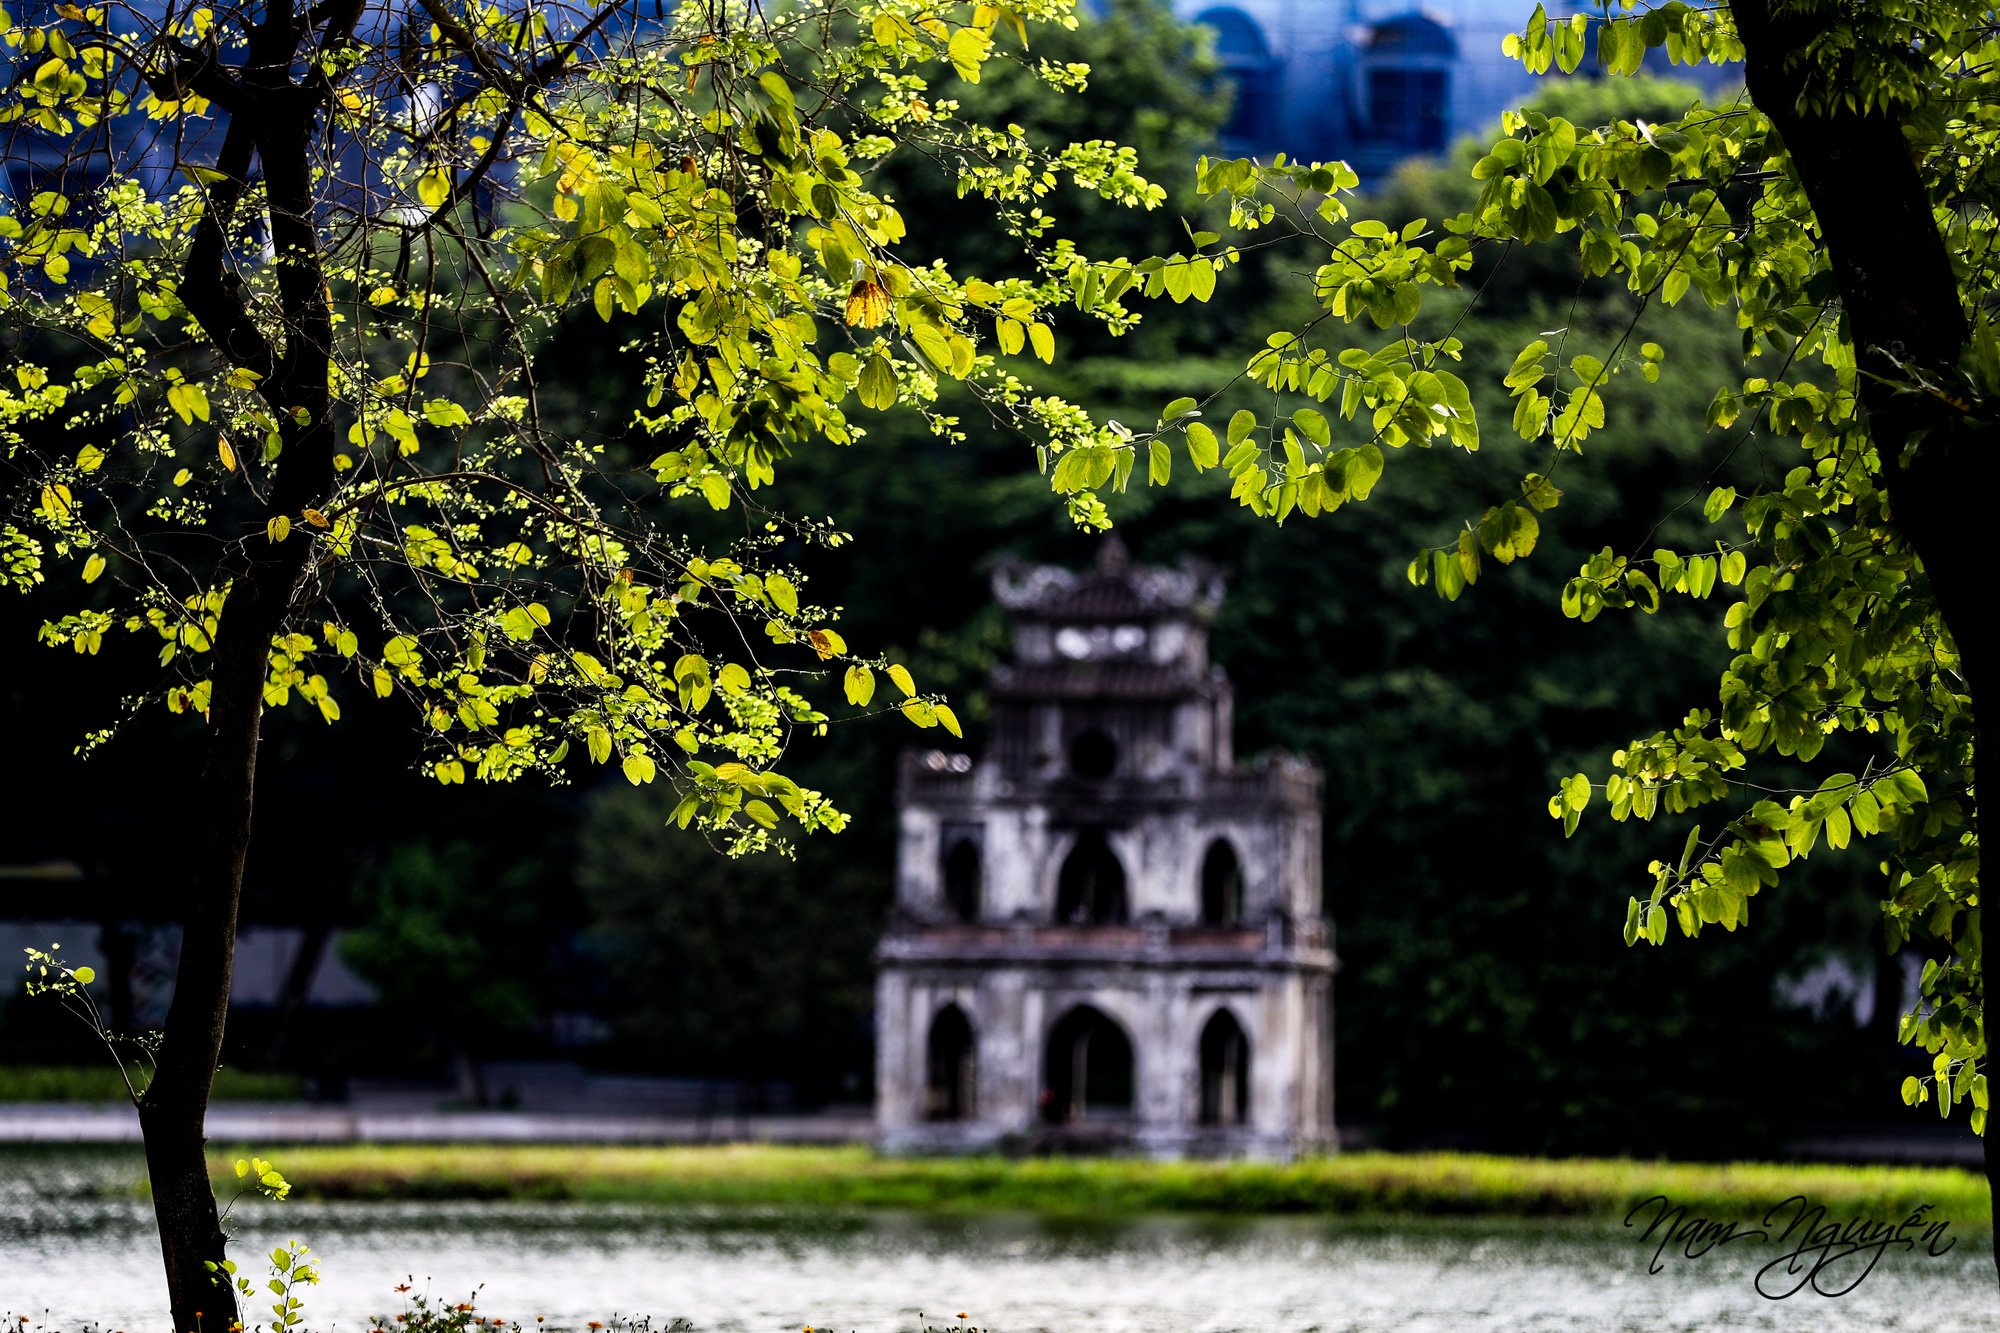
1436	1184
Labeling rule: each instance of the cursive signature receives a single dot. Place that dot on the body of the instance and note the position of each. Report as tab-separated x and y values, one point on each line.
1829	1256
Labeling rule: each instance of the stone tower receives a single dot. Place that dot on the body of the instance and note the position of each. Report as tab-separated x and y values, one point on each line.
1107	933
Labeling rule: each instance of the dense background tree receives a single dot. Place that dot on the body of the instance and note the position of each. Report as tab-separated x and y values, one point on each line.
1477	972
1476	967
1841	213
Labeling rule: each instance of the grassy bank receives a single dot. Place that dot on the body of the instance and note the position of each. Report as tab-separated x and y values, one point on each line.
1441	1184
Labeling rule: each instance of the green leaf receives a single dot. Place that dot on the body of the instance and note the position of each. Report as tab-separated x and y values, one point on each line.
639	769
444	412
1313	425
1203	448
877	385
1527	368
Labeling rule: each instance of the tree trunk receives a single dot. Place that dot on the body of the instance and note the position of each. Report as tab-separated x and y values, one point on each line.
172	1112
273	119
1906	318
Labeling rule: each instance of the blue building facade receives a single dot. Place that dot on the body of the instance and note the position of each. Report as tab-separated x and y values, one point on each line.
1371	82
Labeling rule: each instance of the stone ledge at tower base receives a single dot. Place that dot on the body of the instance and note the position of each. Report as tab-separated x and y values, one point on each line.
1105	1140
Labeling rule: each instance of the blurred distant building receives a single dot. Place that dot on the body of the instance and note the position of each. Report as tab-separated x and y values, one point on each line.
1375	82
1107	934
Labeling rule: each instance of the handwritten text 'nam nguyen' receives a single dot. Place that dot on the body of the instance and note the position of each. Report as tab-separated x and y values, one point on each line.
1831	1257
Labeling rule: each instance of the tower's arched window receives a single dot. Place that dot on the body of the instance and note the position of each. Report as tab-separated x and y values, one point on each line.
1090	891
962	880
1087	1073
951	1067
1225	1071
1093	754
1407	69
1246	63
1221	886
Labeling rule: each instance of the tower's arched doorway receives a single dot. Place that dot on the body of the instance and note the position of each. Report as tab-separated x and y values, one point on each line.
1087	1073
951	1067
1225	1071
962	880
1221	886
1090	891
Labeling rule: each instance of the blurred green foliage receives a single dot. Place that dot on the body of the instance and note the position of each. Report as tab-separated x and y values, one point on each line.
1484	988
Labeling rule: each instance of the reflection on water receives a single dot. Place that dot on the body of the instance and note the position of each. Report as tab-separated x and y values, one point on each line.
736	1269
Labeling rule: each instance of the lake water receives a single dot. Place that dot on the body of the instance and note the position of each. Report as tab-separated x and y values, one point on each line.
95	1260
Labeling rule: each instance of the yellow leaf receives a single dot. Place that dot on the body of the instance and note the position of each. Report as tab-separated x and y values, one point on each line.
278	528
967	52
949	719
901	675
314	517
867	304
92	568
72	12
228	454
434	187
56	503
